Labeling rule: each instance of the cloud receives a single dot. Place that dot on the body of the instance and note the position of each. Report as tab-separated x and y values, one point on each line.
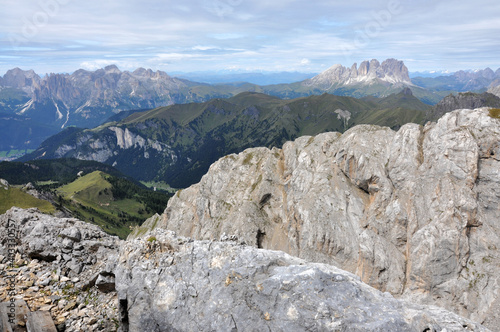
276	35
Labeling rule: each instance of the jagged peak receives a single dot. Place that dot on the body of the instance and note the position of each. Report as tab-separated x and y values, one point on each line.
390	70
112	69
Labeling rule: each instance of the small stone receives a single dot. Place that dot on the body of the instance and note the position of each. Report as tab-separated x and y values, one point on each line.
69	306
92	321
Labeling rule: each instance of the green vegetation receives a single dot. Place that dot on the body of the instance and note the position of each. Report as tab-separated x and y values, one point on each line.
161	186
495	113
17	197
14	153
50	173
198	134
115	204
151	239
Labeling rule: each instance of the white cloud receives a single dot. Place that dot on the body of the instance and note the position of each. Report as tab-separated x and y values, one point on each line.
278	35
204	48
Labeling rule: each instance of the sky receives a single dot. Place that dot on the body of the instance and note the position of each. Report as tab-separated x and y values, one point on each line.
247	35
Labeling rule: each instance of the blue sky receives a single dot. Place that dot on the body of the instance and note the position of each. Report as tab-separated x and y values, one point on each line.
247	35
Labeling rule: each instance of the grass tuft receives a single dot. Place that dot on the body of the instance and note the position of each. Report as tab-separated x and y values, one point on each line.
495	113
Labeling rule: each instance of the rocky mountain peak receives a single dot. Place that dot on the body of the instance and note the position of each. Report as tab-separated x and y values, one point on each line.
20	79
390	71
407	91
468	100
112	69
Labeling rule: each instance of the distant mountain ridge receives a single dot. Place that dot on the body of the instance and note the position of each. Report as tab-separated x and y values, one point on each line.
86	97
461	81
390	71
36	107
177	144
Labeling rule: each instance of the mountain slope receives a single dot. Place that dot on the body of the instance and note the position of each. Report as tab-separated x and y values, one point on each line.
88	190
88	98
11	196
463	100
177	144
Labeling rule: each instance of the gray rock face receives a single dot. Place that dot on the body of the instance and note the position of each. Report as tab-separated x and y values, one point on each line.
390	71
463	100
26	80
413	212
53	264
163	282
50	239
174	284
495	89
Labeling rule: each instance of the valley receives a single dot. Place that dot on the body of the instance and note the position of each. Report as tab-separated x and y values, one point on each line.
176	144
89	191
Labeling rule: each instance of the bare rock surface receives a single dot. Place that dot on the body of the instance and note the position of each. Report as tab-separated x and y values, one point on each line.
171	283
54	264
390	71
415	212
159	281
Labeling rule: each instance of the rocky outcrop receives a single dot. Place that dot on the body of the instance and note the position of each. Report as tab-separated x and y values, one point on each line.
413	212
463	100
390	71
26	80
170	283
70	272
58	266
495	89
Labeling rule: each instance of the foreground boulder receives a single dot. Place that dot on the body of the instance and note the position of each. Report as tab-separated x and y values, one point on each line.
163	282
170	283
415	212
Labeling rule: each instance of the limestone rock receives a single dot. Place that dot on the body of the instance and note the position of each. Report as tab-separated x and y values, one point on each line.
55	267
390	71
175	284
467	100
169	283
4	184
413	212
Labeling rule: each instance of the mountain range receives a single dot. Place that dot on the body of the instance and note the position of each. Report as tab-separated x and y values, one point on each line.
33	108
176	144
